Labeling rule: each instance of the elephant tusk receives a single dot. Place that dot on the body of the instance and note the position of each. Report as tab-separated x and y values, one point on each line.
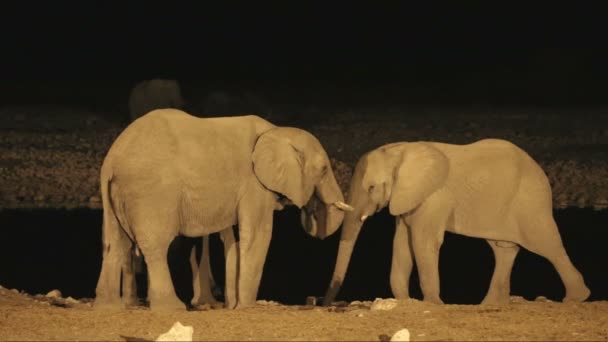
343	206
363	218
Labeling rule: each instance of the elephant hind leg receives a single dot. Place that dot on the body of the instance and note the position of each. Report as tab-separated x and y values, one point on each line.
542	237
155	247
500	285
116	249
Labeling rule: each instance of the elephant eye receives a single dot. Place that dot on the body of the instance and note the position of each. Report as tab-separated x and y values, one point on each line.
371	188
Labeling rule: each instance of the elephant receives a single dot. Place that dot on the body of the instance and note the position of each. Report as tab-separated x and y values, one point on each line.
154	94
170	173
489	189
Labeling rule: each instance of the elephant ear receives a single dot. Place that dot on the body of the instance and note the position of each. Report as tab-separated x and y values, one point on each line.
423	169
279	166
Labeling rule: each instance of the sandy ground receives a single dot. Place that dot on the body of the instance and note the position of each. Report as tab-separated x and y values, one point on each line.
24	317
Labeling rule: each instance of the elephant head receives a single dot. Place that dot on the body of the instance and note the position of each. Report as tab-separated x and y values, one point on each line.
399	176
291	162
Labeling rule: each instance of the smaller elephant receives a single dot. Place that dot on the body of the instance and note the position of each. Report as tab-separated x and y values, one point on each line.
490	189
154	94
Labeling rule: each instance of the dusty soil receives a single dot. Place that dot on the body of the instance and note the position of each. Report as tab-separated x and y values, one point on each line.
25	317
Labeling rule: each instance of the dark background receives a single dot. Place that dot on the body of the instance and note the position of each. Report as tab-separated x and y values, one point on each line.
474	52
342	54
64	252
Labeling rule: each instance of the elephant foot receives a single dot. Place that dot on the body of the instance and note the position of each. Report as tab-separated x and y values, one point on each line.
496	300
130	301
241	305
166	304
433	300
203	301
577	296
108	305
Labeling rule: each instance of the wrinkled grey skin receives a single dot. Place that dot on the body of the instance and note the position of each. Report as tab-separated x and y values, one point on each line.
170	173
490	189
154	94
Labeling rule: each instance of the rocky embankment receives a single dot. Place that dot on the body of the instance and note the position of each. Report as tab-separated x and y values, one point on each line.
50	157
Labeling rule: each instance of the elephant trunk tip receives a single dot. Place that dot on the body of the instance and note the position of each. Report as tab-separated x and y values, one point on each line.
332	292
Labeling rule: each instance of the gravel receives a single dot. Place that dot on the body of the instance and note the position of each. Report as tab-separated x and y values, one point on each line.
50	157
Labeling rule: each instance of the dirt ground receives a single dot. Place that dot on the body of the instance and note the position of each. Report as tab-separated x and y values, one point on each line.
25	317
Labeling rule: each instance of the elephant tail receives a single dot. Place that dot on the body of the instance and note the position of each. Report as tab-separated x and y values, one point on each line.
114	222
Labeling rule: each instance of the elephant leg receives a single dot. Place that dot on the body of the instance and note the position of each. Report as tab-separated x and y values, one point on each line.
116	256
129	284
203	281
155	248
427	228
255	232
543	239
402	261
500	285
231	254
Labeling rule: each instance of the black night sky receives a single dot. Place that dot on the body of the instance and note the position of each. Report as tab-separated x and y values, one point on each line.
473	52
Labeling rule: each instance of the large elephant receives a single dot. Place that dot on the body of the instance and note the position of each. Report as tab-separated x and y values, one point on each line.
154	94
489	189
170	173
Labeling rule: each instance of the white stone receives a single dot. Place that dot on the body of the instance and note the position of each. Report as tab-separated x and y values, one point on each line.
72	300
178	332
54	294
401	335
384	304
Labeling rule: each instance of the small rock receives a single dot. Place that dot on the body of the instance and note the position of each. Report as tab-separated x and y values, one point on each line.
71	300
360	315
311	300
54	294
266	302
15	291
401	335
384	304
517	299
542	299
178	332
94	199
426	312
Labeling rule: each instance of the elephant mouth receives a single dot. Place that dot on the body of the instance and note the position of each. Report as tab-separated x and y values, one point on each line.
313	217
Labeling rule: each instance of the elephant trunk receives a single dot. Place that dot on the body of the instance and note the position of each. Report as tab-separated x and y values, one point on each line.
323	214
350	232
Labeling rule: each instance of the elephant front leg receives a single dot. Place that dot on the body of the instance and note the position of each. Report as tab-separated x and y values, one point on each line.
203	281
427	238
231	254
402	261
255	231
500	285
